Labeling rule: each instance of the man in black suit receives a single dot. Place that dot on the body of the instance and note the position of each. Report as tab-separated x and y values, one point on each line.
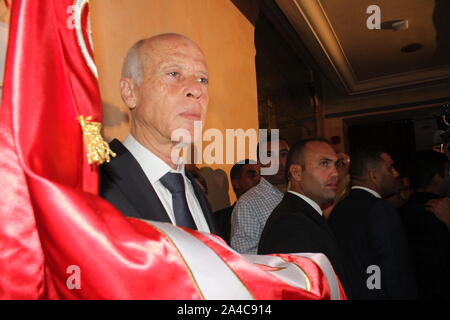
165	85
297	223
244	175
428	237
370	232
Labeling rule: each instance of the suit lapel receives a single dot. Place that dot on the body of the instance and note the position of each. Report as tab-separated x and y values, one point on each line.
302	207
332	247
133	183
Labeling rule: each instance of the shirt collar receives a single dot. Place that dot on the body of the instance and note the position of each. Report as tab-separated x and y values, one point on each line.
376	194
263	182
311	202
154	168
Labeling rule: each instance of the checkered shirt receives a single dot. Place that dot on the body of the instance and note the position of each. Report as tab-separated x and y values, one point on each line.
250	215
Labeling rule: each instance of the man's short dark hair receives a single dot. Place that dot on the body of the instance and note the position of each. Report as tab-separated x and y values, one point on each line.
269	139
364	159
424	166
236	170
296	154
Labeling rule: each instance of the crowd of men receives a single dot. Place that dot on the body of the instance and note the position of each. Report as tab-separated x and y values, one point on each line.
317	201
378	251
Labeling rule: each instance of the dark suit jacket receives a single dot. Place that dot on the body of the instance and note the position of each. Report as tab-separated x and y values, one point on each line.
429	241
294	226
125	185
223	222
370	232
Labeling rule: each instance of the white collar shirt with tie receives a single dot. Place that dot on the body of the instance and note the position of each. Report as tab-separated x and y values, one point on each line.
155	168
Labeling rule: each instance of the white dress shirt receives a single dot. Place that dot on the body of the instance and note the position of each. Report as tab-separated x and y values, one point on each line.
155	168
312	203
376	194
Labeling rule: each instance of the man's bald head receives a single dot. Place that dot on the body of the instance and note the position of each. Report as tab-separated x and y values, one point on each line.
137	56
165	85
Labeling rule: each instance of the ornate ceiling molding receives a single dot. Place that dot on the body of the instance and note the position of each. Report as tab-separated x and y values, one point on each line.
312	24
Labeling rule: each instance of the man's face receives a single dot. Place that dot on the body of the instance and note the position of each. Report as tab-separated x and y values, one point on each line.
319	175
388	178
250	176
174	90
277	156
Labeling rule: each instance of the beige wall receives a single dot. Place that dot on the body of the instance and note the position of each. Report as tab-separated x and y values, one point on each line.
226	38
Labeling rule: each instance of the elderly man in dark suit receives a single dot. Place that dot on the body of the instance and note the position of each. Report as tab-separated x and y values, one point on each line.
370	232
297	223
165	85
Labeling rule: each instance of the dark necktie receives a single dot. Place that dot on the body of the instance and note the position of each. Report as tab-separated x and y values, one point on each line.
174	182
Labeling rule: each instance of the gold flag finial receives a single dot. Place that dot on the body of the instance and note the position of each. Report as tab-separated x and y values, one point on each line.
97	148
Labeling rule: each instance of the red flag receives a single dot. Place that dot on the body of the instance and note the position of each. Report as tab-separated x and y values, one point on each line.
59	240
